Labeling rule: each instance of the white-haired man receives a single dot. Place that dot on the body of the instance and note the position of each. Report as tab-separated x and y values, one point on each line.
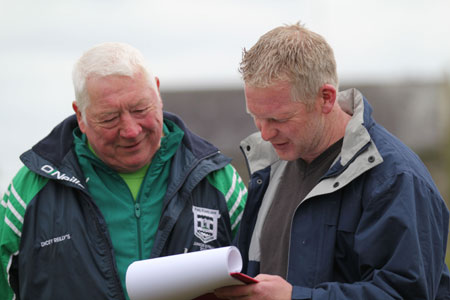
338	208
117	182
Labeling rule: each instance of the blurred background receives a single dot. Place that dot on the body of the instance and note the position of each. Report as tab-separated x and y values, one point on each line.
396	52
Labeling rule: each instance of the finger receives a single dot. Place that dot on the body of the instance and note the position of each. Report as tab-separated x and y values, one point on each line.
231	292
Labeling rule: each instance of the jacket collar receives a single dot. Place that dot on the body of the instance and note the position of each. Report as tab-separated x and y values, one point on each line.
197	145
56	149
260	154
356	133
359	152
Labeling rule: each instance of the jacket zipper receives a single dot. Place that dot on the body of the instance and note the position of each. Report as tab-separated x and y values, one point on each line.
137	214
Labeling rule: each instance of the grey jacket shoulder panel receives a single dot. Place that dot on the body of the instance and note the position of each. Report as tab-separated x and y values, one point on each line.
376	190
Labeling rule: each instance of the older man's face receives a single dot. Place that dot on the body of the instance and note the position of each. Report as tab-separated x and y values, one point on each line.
123	120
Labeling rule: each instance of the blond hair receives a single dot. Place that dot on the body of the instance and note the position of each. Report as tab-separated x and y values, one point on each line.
294	54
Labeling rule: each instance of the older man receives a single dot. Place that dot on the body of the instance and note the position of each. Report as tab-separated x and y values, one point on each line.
338	208
120	181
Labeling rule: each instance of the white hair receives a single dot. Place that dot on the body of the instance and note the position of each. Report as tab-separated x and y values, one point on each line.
107	59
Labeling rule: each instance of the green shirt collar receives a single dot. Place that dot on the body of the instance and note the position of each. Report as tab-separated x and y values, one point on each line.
169	144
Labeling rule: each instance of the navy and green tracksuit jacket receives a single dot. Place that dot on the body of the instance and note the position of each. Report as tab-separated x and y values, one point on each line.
54	241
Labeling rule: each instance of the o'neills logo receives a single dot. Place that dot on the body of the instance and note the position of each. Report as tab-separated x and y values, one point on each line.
205	223
61	176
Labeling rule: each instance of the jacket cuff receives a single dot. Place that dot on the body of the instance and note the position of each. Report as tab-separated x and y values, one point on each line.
301	293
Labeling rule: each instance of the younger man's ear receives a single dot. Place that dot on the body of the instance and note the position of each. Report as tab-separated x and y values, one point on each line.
328	95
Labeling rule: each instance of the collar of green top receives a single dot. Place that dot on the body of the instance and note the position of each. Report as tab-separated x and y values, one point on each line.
170	140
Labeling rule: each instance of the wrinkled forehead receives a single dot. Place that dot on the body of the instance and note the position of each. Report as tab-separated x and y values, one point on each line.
114	89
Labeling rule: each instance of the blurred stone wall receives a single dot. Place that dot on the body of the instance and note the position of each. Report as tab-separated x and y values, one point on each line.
416	112
219	116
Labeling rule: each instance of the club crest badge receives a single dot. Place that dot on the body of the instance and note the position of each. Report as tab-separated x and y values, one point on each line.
205	223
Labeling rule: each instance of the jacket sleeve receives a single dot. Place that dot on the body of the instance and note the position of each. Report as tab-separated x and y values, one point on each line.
400	243
229	183
22	189
10	228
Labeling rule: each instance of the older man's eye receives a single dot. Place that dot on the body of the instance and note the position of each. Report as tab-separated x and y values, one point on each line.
108	120
140	110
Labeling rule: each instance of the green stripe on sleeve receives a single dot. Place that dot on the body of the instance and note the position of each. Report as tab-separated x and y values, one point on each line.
230	184
20	192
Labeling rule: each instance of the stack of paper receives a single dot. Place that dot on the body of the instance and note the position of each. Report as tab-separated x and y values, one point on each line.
185	276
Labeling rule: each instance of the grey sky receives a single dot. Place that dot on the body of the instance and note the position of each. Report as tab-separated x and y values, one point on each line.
195	43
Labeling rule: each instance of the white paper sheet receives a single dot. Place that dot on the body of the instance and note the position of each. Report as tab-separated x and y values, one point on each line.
183	276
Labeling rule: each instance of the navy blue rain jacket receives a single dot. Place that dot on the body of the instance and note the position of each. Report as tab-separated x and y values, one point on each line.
374	227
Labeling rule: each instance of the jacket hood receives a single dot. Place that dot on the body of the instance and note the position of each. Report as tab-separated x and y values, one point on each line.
55	146
55	151
358	154
260	154
197	145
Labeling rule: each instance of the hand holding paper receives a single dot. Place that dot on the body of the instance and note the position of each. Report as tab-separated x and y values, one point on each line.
184	276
